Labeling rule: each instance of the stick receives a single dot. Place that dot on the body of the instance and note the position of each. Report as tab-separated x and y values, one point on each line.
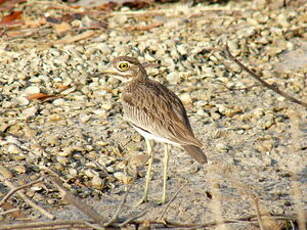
82	224
9	211
78	203
13	191
264	83
259	219
171	200
119	208
71	224
94	226
132	219
27	200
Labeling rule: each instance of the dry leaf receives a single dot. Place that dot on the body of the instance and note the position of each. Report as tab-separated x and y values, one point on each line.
16	214
109	6
138	4
9	5
62	27
2	1
35	23
143	28
41	96
11	19
71	39
19	33
63	87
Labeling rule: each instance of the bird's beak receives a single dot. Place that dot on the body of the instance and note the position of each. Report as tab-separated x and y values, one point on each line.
114	74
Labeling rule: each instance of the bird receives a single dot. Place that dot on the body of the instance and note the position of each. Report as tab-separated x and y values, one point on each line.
156	113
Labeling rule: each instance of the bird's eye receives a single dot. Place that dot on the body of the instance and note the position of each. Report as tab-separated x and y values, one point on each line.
123	66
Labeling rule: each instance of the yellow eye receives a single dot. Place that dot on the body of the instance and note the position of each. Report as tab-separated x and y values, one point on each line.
123	66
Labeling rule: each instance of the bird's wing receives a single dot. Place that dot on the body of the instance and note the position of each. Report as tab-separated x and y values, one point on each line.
155	109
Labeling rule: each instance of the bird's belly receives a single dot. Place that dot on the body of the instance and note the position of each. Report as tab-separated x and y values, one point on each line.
151	136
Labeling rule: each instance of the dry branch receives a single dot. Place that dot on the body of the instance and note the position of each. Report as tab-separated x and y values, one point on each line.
119	208
256	201
9	211
264	83
78	203
26	199
171	200
84	225
13	191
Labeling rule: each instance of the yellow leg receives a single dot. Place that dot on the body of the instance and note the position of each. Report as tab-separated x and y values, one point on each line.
148	173
165	163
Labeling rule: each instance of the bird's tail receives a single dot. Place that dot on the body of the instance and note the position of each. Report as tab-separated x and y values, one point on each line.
196	153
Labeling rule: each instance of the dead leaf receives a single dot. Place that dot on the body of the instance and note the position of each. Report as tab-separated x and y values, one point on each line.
13	18
35	23
2	1
41	96
70	39
62	27
63	87
53	20
19	33
138	4
9	5
143	28
2	32
65	18
72	17
16	214
107	6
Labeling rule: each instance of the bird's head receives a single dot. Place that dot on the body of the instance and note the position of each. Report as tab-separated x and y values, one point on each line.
126	68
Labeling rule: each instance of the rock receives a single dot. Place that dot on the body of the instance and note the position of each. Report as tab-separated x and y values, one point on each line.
13	149
5	172
97	182
30	112
32	90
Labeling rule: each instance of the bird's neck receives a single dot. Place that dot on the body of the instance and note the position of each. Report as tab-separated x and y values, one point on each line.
137	80
141	75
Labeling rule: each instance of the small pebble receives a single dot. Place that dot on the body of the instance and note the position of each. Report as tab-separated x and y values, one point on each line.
97	182
13	149
32	90
5	172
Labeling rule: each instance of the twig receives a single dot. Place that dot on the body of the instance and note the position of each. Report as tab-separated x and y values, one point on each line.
82	224
3	31
13	191
132	219
27	200
150	65
171	200
297	189
78	203
166	11
46	225
119	208
9	211
264	83
144	28
95	226
235	89
255	199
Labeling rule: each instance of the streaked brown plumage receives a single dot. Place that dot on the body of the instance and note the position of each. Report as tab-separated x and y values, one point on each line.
153	110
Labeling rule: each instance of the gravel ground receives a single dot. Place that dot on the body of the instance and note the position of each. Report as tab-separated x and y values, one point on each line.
255	139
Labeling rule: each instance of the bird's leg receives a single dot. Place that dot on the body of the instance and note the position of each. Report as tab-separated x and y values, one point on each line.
165	168
148	173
